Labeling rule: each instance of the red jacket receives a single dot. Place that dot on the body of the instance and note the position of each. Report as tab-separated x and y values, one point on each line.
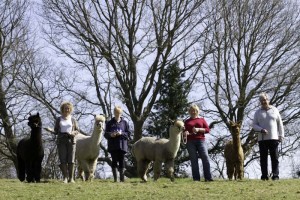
197	123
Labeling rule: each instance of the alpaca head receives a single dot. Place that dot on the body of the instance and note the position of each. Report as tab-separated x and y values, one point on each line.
99	121
177	127
235	127
34	121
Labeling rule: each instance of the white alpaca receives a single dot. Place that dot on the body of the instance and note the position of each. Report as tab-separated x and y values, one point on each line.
160	151
87	149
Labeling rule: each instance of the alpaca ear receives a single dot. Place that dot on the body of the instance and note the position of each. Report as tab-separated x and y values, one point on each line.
171	122
239	123
38	114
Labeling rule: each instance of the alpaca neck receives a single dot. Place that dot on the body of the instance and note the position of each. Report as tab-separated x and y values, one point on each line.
236	141
36	134
174	143
97	134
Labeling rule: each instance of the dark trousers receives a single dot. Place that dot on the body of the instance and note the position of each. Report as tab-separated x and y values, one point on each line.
66	150
265	147
118	159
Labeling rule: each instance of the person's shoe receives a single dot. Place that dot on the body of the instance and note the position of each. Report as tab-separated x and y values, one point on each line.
71	170
209	180
114	172
122	175
264	178
275	178
71	180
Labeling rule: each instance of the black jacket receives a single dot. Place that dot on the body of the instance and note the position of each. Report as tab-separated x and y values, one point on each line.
119	142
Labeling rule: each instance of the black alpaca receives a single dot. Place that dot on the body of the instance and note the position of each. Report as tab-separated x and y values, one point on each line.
30	152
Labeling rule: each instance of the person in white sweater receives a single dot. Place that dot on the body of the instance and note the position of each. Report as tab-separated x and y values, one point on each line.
268	124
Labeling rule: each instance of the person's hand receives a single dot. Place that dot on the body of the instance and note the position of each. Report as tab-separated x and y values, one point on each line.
50	130
119	132
73	133
280	138
195	130
264	131
113	134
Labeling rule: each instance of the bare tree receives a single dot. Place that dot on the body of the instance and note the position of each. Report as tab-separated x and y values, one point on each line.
131	43
15	51
27	82
256	50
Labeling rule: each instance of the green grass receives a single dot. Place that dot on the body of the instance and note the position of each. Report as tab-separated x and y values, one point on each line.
162	189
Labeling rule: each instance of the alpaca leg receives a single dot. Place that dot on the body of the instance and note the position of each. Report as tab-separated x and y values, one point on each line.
64	170
21	169
169	166
80	172
240	166
240	171
87	174
157	169
29	172
92	170
38	170
90	174
71	171
145	169
230	170
142	168
235	171
86	170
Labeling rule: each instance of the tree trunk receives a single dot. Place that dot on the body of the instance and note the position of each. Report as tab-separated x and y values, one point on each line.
8	132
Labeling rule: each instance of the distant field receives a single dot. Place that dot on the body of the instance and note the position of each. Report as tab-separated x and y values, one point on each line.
162	189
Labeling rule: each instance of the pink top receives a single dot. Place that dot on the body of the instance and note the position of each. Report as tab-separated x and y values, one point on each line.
197	123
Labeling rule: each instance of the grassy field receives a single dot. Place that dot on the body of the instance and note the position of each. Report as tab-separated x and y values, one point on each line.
162	189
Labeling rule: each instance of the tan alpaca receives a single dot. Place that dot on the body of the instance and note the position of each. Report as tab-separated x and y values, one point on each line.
234	154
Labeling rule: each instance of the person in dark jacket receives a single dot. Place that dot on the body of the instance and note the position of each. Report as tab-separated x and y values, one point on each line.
117	134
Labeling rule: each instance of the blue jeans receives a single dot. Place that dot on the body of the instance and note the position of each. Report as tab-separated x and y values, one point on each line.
195	148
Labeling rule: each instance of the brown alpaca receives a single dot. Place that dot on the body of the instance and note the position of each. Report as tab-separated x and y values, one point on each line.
234	154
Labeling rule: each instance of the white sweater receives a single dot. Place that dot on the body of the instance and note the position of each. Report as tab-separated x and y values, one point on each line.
271	121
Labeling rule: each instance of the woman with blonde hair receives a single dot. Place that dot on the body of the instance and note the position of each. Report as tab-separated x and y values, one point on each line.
195	130
66	127
117	134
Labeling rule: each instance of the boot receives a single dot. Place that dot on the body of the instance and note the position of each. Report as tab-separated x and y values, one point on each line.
64	170
71	173
114	172
122	175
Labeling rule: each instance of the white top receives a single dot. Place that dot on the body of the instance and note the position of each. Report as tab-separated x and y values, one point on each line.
65	125
271	121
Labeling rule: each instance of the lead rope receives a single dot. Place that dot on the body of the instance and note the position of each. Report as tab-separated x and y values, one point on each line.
183	138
